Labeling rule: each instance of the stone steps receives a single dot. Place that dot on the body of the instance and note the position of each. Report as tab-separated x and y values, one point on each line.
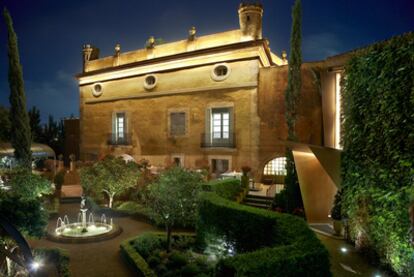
258	201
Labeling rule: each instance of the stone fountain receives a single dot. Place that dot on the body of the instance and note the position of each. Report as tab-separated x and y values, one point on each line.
85	229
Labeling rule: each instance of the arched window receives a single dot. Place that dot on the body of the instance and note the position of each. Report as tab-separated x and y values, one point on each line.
276	167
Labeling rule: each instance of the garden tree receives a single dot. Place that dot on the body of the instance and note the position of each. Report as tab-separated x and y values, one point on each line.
20	128
111	175
292	94
5	127
28	185
173	199
35	126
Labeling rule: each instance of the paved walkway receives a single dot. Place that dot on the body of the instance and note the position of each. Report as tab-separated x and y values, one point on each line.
346	261
98	258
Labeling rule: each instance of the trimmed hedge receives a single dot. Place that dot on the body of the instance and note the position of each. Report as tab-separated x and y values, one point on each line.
230	189
267	243
129	253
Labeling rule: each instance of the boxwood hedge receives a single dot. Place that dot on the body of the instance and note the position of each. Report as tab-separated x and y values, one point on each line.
267	243
231	189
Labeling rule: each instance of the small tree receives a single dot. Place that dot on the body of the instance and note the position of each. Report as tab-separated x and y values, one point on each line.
173	199
29	186
111	176
20	128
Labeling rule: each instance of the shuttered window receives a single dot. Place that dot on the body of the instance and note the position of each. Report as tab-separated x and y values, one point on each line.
177	124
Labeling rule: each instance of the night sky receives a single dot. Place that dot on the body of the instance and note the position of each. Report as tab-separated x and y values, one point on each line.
51	34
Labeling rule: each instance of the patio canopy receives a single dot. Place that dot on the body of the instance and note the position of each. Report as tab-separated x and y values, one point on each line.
38	150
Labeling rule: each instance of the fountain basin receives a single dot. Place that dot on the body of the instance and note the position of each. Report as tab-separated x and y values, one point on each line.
73	233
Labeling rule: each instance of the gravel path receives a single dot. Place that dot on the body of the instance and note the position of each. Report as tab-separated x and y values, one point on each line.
97	258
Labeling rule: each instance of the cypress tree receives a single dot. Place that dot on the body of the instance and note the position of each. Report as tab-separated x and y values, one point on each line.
19	119
36	128
292	94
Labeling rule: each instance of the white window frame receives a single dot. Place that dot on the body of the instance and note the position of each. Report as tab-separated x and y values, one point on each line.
115	128
220	123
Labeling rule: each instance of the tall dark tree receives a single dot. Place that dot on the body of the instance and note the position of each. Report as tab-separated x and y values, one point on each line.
292	94
53	135
19	119
4	124
36	128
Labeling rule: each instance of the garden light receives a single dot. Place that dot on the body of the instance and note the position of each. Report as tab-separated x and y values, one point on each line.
344	249
35	266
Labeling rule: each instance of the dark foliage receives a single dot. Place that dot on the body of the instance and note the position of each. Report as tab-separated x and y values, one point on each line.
5	125
229	188
27	215
378	159
292	95
35	126
19	119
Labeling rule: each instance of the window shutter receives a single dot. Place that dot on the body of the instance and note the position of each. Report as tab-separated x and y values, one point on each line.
231	123
177	123
207	127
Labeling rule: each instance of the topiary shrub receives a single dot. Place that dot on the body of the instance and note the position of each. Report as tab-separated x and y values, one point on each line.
336	212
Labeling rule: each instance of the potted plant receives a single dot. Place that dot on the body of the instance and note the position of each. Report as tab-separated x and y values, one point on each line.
336	214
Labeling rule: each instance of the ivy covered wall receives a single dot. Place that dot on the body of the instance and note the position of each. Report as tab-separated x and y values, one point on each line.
378	158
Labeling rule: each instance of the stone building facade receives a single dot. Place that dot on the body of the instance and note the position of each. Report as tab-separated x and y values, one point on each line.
213	101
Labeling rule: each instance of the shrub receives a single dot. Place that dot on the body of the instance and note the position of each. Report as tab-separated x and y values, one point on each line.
178	259
287	246
228	188
190	270
147	243
129	253
336	213
133	208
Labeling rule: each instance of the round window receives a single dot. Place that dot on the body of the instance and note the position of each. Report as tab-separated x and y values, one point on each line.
97	90
220	72
150	81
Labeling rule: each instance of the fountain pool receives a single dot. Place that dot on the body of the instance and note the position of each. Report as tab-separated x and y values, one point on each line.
84	230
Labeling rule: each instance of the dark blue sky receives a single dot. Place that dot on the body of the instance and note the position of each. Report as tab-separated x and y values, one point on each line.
51	34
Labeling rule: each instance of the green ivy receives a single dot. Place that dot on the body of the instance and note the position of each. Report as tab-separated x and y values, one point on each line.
377	164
